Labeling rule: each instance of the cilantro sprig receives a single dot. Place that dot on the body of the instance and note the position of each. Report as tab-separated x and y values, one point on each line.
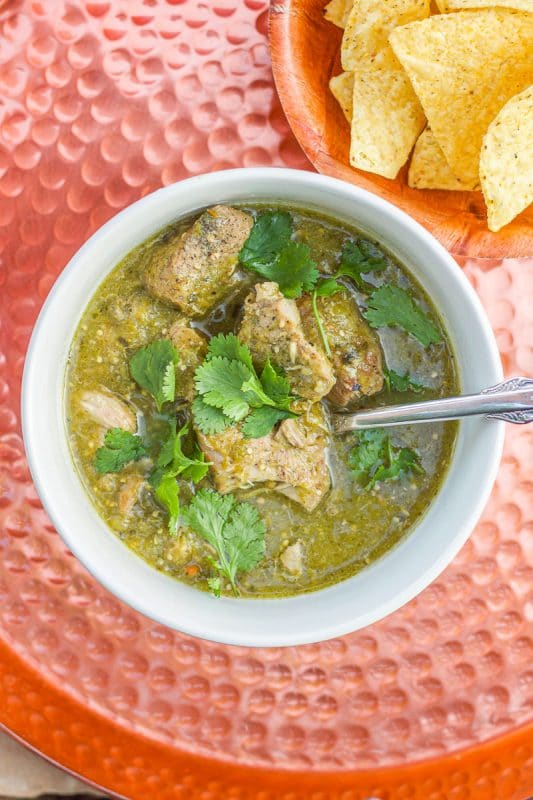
357	259
171	463
366	453
401	383
153	367
119	449
360	258
234	530
271	231
270	252
230	390
374	458
392	306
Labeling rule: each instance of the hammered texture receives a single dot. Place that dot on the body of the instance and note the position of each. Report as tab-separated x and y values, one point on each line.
101	103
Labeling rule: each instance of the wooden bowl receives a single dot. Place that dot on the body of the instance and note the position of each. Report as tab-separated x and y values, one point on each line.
305	54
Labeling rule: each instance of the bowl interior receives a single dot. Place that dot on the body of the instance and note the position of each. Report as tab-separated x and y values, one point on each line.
305	55
354	603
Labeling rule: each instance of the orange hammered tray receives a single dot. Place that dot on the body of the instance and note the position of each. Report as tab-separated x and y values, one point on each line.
100	103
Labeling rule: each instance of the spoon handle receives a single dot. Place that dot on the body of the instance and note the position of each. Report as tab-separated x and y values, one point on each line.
511	401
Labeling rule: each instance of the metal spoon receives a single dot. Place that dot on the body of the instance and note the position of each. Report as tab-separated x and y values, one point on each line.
511	401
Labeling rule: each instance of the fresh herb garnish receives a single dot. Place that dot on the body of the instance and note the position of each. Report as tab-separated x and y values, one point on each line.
209	420
391	305
172	459
366	454
326	288
260	421
401	383
234	530
357	258
293	270
120	448
229	347
271	231
374	458
220	383
230	390
398	462
153	367
270	253
276	384
170	463
167	492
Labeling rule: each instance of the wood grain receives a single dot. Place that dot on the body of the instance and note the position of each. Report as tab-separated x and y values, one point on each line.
305	54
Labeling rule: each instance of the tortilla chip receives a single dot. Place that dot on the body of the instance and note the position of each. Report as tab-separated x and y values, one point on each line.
369	25
338	11
464	67
387	118
506	163
342	88
429	168
459	5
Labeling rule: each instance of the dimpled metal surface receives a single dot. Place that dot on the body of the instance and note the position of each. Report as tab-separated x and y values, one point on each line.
101	103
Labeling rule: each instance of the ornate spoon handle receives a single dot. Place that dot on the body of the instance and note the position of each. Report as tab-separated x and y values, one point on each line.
511	401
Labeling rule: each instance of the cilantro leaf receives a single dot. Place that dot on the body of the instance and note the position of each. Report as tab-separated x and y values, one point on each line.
374	458
400	462
119	448
392	306
261	421
228	346
170	463
153	368
220	382
271	253
207	514
173	459
234	530
357	259
276	384
166	454
367	452
271	231
328	287
197	467
168	493
244	539
208	419
168	386
294	270
236	409
401	383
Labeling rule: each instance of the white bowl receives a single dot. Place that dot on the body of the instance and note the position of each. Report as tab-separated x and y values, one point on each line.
374	592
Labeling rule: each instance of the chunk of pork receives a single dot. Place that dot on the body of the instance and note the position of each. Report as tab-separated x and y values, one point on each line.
300	472
271	327
193	271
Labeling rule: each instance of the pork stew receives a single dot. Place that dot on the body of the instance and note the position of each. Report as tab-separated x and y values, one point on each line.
200	388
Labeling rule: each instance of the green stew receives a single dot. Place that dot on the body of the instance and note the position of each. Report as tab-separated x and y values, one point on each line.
200	388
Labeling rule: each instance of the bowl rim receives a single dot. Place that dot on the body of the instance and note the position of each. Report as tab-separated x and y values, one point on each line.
227	620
